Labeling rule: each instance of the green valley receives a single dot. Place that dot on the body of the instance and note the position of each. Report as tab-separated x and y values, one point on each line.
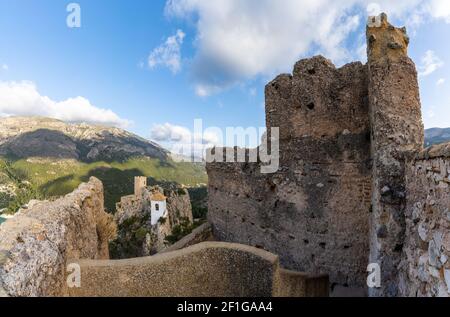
42	178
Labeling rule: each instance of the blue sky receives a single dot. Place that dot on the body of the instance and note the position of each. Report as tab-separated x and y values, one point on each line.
155	66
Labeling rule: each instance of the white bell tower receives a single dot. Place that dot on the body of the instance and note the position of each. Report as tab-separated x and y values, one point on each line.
158	207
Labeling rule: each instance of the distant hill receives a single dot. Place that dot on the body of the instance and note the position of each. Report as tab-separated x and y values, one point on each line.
437	136
43	158
24	137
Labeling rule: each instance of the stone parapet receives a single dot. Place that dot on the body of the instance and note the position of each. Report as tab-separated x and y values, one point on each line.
209	269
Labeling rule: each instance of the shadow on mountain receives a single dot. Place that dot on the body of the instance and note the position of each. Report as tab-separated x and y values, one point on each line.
112	148
165	163
58	187
40	143
116	183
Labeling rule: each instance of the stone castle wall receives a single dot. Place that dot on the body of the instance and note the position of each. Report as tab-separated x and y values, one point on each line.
303	211
206	269
37	242
131	206
425	266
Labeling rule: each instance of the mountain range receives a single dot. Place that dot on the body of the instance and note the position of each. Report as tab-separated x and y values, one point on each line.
437	136
24	137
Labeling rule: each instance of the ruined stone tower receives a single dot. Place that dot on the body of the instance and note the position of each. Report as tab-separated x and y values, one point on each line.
397	132
140	183
337	201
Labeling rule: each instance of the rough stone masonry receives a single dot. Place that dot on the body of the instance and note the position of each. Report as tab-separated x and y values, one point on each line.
339	200
313	212
425	266
397	132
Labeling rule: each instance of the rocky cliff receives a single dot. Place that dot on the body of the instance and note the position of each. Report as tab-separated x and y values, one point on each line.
37	243
137	236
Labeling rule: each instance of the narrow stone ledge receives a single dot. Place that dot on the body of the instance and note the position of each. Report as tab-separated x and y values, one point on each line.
435	151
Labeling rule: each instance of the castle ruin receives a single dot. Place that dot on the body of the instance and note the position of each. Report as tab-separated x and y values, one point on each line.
346	189
148	216
355	187
140	183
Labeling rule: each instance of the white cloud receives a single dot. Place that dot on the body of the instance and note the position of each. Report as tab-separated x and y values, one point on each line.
168	54
182	141
23	99
202	91
5	67
440	81
361	52
205	90
174	133
436	116
439	9
430	63
170	133
237	40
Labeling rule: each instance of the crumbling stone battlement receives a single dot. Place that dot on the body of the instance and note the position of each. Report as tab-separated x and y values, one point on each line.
385	42
342	195
434	151
302	212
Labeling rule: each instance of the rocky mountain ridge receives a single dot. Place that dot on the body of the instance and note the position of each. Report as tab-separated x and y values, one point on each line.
436	136
25	137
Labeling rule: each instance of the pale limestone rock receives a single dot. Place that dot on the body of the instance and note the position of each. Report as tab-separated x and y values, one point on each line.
38	242
422	269
431	222
434	253
446	241
447	279
423	232
434	272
